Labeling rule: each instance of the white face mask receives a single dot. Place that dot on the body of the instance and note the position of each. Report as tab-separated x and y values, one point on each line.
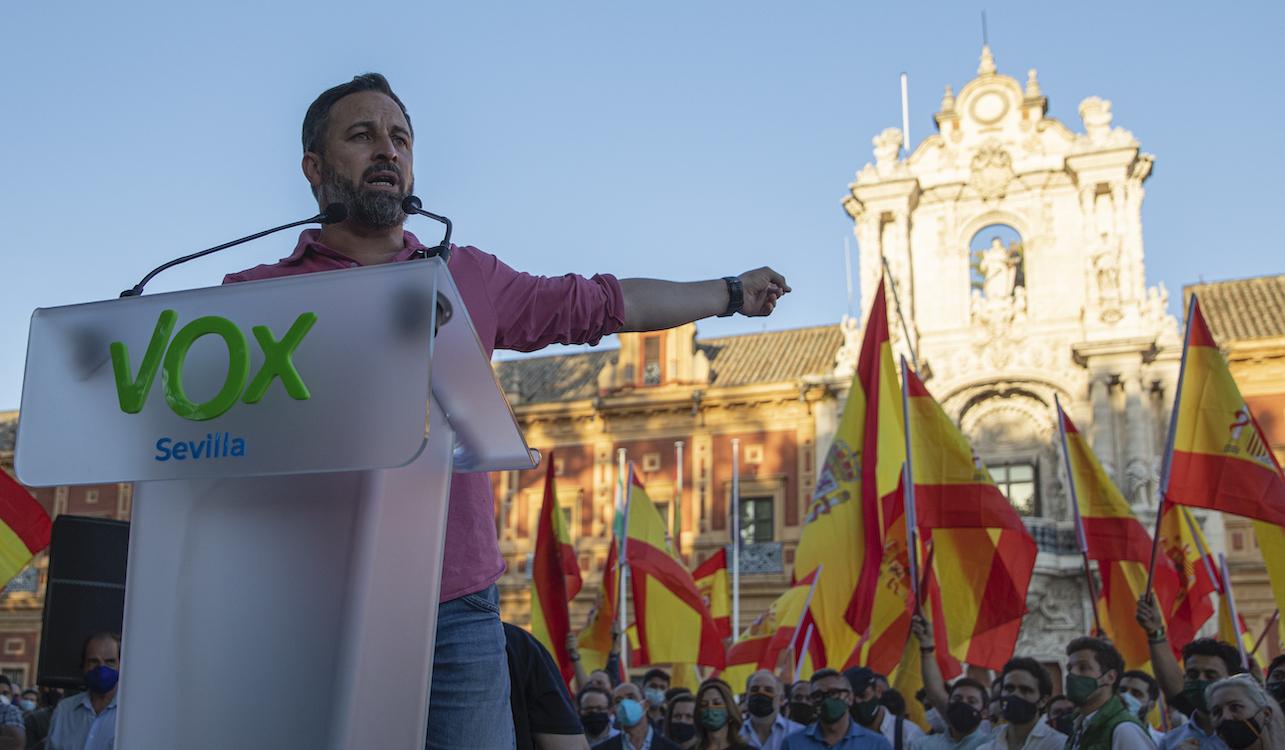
27	705
6	700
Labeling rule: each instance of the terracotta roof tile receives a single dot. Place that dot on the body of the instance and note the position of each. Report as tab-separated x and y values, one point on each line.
1244	308
771	357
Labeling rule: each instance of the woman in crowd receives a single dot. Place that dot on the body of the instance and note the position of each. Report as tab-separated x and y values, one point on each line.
680	721
1244	715
718	720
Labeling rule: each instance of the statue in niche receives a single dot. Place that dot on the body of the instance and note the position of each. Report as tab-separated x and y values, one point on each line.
998	266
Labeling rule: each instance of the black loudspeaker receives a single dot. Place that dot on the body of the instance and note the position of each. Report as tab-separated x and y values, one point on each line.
85	594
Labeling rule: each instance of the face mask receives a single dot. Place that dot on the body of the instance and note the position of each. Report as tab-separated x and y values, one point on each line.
802	712
1194	692
832	709
761	705
713	718
962	717
865	711
681	733
1064	724
1240	733
27	705
655	697
595	722
629	713
1133	704
1079	688
6	700
1018	710
101	679
1277	691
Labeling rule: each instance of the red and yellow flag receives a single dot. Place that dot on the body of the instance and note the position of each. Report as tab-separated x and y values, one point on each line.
555	578
1192	606
1271	541
983	555
712	582
1117	540
674	625
846	525
772	635
24	527
1220	459
595	639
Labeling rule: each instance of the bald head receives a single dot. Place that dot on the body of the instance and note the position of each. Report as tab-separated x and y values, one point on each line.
627	690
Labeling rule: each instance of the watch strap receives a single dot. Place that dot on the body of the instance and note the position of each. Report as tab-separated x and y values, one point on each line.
735	296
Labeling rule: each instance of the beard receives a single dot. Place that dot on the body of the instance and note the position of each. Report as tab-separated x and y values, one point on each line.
376	209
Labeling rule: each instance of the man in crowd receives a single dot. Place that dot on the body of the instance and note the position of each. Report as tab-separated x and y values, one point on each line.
12	725
636	733
87	721
29	701
834	728
1102	721
1205	661
595	714
869	711
961	706
1061	714
358	151
766	728
543	716
1140	691
800	707
1025	689
655	683
680	721
1276	680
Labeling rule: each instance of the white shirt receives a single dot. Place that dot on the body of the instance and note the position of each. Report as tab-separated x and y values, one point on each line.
781	727
910	731
1042	737
1156	735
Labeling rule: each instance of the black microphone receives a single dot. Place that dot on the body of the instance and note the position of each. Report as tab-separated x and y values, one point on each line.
333	214
413	205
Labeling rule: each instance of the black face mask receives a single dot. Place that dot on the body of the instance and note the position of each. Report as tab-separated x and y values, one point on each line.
681	733
1019	711
761	705
962	717
802	712
1240	733
1064	724
595	722
1277	691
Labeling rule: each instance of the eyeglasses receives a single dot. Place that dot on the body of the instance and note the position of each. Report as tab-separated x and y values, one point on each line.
840	693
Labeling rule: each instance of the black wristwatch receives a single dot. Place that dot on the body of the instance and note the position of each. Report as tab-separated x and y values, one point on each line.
735	296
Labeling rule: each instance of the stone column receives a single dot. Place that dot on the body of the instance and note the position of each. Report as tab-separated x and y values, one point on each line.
1136	480
1103	421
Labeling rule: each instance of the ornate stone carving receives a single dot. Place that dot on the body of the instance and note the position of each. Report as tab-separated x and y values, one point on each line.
992	171
887	145
845	361
1055	615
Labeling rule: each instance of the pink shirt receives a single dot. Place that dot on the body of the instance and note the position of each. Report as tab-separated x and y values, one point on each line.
510	310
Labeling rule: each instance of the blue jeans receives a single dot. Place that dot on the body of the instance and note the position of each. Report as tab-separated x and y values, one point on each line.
469	703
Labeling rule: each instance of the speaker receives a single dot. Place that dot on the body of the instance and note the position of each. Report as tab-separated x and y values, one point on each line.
85	593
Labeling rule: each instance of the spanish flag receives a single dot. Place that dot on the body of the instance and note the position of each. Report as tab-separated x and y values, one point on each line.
712	582
24	527
1192	606
778	631
1271	541
595	640
984	556
674	625
1120	544
1219	458
555	578
843	527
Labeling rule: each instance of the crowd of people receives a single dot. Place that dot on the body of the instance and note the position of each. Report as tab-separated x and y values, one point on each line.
1212	700
51	718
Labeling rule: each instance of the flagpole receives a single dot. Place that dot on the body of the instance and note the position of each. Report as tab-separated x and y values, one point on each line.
736	535
676	507
807	604
1200	546
1235	617
1267	629
798	667
1080	538
908	487
896	301
1167	463
622	560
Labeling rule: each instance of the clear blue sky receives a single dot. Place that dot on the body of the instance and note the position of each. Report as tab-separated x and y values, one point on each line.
673	139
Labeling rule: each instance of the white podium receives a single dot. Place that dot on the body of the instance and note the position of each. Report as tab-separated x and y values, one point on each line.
291	442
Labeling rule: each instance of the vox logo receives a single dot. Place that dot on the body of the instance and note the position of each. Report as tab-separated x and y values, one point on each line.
169	355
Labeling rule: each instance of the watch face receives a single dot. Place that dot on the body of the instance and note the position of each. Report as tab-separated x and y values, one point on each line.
989	107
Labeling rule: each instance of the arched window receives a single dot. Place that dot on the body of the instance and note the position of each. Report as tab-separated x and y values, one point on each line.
996	262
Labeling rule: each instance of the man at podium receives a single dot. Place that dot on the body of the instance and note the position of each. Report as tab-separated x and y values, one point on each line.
358	149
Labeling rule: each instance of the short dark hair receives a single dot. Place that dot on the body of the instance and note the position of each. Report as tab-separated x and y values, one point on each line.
1214	647
655	672
1153	688
790	693
894	701
4	680
102	635
821	674
1031	667
1103	653
683	697
588	689
969	682
1279	661
317	119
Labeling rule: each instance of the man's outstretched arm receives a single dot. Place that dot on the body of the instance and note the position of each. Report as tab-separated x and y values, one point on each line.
654	304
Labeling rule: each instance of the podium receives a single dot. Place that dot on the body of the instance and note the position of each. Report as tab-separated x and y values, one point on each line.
291	442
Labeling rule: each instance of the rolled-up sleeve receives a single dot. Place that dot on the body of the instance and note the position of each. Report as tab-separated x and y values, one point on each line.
535	311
